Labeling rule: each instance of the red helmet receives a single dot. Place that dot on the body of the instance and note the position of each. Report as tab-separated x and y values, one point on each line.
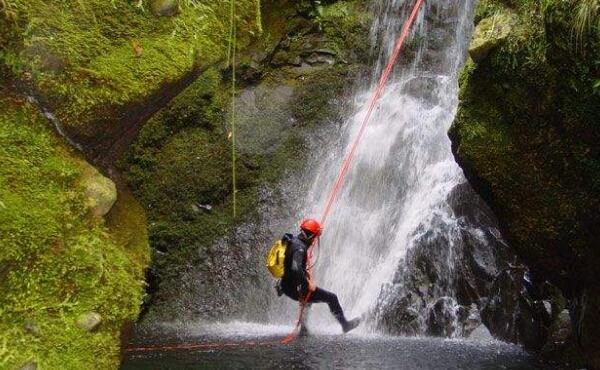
311	225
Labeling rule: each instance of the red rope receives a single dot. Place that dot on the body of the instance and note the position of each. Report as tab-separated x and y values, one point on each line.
330	199
374	100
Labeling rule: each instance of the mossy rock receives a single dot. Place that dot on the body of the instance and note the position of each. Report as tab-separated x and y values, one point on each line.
489	33
101	192
526	136
89	321
103	67
57	261
165	8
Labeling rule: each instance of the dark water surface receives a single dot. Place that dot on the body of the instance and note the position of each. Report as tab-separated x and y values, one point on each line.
340	352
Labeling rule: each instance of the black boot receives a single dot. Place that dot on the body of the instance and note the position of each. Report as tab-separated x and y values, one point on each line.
349	325
346	325
303	332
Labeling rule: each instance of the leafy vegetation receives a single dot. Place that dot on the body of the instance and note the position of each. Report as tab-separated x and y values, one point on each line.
586	19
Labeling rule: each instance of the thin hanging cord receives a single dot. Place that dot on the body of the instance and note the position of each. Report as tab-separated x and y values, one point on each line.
230	35
232	53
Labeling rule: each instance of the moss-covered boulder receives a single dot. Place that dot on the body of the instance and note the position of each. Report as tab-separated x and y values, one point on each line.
526	134
488	34
57	261
101	192
89	321
165	8
104	67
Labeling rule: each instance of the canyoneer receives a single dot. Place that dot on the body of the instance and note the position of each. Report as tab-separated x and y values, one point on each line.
287	260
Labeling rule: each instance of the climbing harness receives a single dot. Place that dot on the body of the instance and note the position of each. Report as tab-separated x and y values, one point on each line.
330	199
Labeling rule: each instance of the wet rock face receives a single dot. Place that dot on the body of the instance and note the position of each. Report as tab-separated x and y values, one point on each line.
448	272
442	316
491	286
205	261
436	269
526	137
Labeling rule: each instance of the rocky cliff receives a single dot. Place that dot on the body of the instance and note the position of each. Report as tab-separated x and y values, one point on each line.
526	134
291	82
96	72
144	90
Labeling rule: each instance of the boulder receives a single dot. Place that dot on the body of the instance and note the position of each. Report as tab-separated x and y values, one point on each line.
165	8
31	327
481	334
488	34
410	322
30	365
442	318
100	191
89	321
561	329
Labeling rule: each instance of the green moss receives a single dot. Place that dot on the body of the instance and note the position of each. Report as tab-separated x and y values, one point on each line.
526	134
313	105
181	161
56	261
345	24
93	57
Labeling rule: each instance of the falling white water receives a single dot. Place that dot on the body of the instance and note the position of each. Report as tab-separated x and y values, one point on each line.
394	202
403	170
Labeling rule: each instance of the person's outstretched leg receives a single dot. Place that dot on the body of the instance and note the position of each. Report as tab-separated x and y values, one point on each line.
322	295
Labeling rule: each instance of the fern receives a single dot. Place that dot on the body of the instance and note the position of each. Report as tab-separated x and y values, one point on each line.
586	18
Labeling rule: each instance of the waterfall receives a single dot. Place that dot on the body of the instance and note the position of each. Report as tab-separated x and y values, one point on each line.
408	245
396	196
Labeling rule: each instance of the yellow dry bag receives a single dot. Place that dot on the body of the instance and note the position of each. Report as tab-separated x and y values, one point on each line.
275	259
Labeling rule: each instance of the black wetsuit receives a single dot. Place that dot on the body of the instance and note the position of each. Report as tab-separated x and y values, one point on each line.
294	283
